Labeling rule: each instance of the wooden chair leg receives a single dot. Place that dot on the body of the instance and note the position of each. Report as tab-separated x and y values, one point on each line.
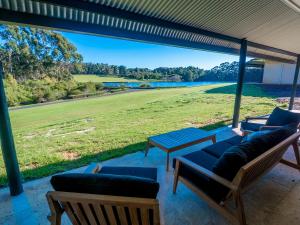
240	208
297	154
176	174
55	211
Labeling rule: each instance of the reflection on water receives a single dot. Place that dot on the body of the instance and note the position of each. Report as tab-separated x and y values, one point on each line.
157	84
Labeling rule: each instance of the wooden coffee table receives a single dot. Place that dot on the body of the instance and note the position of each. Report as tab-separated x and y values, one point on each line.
179	139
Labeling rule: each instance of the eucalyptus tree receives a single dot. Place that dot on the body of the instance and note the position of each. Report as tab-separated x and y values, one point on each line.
32	53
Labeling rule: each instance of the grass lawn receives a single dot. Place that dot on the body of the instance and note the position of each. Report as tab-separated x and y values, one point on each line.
62	136
95	78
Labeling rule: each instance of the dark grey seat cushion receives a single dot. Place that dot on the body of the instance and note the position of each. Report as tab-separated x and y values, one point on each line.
108	184
251	126
235	140
203	159
281	117
219	148
144	172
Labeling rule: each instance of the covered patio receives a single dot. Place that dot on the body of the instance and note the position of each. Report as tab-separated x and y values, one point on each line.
273	200
267	29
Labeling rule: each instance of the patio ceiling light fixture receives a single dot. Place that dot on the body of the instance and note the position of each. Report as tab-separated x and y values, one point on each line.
294	4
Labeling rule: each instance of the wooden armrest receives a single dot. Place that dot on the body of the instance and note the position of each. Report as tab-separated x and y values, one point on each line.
256	118
207	173
269	127
93	168
246	132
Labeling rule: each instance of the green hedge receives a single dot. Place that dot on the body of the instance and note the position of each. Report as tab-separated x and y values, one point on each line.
47	89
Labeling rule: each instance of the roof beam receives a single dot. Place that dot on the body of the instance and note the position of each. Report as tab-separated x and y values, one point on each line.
269	57
272	49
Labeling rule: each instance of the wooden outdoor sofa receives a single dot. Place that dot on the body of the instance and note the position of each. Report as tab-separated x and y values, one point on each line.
106	209
217	188
277	118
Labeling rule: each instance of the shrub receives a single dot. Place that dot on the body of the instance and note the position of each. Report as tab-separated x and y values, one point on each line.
50	95
99	86
145	85
47	89
11	97
15	93
75	92
90	87
123	87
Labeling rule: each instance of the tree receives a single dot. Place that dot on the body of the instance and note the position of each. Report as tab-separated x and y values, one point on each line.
123	70
188	76
30	53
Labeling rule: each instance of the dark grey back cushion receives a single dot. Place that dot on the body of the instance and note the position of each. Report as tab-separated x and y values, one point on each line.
255	134
235	157
281	117
106	184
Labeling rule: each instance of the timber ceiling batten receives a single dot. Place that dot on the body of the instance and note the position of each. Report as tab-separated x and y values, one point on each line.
294	4
208	25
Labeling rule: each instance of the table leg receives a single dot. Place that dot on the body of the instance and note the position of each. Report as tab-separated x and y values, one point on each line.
168	159
147	148
213	138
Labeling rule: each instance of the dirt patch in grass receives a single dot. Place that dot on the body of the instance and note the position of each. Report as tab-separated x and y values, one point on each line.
30	136
56	133
49	133
85	130
31	165
70	155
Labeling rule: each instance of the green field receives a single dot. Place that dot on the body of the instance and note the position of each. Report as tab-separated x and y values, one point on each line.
62	136
95	78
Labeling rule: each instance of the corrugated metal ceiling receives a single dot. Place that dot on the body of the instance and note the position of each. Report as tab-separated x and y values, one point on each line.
267	22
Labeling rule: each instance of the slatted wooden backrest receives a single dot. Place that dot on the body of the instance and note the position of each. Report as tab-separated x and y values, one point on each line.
262	164
90	209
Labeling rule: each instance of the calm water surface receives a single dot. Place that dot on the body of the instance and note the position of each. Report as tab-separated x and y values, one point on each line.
157	84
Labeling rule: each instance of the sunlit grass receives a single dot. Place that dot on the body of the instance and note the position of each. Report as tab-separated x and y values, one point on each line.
62	136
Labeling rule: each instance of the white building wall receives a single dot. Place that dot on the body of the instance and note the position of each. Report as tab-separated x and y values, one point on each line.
279	73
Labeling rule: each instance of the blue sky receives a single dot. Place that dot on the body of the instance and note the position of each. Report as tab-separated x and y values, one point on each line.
137	54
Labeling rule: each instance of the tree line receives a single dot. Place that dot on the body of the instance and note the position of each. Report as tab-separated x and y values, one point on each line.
224	72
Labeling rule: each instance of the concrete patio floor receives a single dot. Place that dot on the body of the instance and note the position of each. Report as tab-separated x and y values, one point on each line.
273	200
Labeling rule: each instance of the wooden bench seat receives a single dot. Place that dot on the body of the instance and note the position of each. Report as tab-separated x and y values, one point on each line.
245	176
123	205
